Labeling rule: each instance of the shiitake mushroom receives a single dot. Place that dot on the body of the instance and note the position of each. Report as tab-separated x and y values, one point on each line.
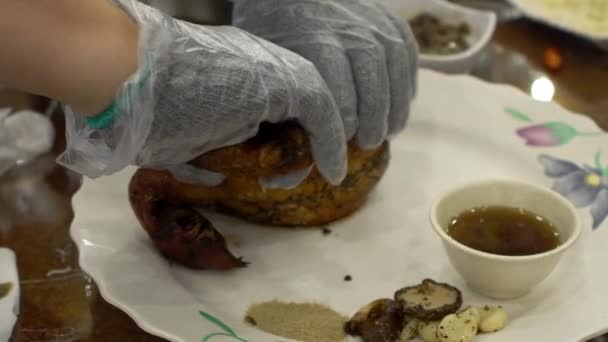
379	321
429	300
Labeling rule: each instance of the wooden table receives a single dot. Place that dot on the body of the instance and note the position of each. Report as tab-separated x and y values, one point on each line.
60	303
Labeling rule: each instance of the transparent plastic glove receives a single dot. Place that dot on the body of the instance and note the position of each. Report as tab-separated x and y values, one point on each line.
368	57
199	88
288	181
24	135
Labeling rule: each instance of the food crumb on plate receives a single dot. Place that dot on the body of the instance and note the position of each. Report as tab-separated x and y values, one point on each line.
5	288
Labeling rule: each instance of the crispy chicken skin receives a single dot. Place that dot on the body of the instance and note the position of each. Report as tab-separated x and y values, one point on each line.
165	206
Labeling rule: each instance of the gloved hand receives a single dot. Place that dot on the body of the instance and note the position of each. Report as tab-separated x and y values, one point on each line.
199	88
367	56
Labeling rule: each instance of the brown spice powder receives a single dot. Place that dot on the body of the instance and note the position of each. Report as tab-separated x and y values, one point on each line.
306	322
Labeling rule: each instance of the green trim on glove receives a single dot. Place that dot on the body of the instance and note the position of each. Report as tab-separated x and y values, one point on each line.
103	119
107	117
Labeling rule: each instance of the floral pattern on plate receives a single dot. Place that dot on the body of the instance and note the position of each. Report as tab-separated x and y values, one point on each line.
547	134
226	330
583	185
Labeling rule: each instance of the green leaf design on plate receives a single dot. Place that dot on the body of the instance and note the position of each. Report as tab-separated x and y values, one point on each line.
210	336
518	115
217	322
563	131
598	164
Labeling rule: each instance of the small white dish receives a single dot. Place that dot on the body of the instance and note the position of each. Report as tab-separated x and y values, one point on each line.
500	276
9	304
482	24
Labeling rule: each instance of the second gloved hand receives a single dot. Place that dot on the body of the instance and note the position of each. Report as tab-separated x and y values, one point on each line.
199	88
368	57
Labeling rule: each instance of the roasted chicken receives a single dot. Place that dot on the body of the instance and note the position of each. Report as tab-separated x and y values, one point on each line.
166	208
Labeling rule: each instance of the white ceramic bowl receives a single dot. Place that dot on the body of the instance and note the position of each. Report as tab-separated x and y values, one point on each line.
498	276
482	23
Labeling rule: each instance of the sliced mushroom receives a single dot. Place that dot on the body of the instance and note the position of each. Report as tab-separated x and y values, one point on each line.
492	318
459	327
410	330
427	330
380	321
429	300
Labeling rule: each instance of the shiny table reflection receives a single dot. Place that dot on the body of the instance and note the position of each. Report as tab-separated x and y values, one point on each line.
60	303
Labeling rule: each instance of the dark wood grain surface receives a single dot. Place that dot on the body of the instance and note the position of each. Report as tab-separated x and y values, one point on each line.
60	303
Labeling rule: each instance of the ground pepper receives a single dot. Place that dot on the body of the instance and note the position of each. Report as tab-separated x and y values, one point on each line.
306	322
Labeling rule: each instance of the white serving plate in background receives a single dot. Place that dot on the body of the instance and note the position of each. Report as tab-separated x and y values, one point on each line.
532	10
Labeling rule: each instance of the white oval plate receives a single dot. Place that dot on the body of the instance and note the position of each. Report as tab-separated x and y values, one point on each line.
461	129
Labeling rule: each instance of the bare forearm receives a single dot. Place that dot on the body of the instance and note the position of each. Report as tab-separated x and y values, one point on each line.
78	52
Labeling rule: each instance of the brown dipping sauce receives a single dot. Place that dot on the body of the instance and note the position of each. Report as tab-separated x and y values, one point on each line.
504	231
